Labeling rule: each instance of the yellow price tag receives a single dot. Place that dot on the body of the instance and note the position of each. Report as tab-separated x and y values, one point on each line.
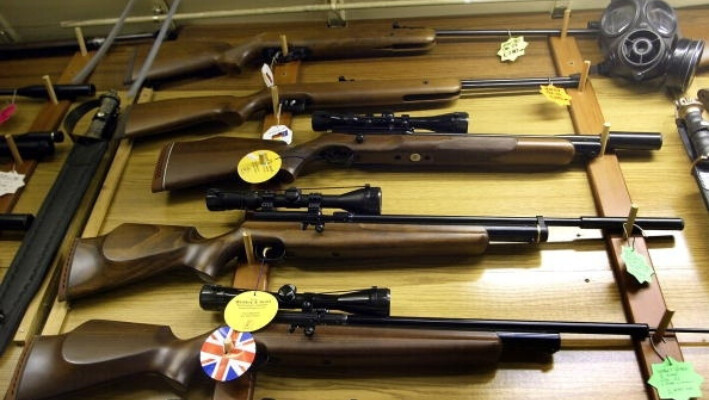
259	166
512	49
556	94
250	311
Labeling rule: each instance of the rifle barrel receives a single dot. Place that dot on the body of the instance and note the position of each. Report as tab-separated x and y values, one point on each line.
635	330
613	223
616	141
521	83
444	33
501	229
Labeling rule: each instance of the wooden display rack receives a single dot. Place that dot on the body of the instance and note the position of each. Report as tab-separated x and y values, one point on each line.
642	303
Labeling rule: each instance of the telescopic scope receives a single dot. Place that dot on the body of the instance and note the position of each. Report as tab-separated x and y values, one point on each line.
375	301
456	122
367	200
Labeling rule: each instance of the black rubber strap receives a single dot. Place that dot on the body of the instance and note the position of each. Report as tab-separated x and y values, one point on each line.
77	113
40	245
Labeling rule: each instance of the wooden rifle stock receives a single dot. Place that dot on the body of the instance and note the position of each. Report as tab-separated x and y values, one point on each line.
134	252
177	59
166	115
103	352
100	352
185	164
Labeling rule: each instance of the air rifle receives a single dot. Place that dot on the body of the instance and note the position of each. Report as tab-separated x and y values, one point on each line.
167	115
104	352
185	164
134	252
99	352
179	60
639	39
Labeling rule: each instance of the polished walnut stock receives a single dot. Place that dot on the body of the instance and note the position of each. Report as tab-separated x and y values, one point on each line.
176	59
166	115
133	252
104	352
185	164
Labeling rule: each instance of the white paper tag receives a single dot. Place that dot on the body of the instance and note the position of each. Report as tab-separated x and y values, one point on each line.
279	132
10	182
267	75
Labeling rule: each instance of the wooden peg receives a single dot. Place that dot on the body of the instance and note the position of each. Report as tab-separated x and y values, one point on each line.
249	247
604	138
284	45
565	24
13	150
276	102
50	89
80	38
584	75
630	224
662	326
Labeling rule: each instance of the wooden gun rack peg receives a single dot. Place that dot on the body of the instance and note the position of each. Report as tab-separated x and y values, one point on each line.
16	156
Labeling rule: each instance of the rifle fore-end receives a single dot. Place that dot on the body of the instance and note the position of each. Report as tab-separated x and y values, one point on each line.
103	352
176	167
427	150
165	115
180	59
134	252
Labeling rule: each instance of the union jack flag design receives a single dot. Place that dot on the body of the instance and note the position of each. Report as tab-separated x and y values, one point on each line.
227	354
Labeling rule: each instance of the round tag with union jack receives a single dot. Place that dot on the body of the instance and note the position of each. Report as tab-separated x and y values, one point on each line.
227	354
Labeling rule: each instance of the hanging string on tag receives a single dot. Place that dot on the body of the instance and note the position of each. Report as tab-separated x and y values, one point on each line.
262	267
635	263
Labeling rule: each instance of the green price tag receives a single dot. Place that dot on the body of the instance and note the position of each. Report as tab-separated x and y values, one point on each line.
512	49
635	264
676	380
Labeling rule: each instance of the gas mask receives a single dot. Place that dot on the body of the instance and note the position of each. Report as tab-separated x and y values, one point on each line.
641	41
